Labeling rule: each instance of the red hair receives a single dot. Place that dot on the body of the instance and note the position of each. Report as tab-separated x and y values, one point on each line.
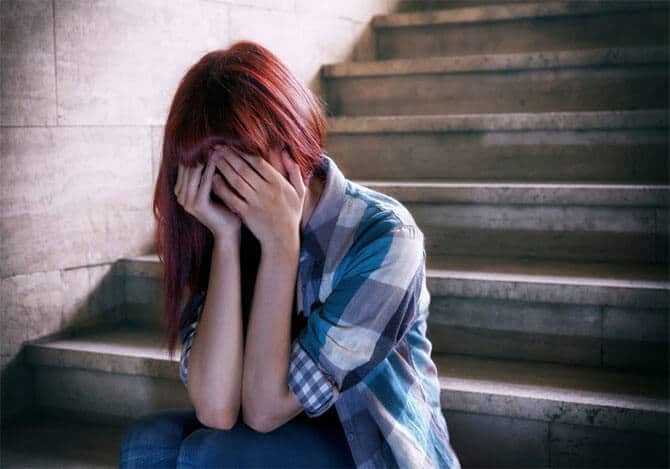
245	97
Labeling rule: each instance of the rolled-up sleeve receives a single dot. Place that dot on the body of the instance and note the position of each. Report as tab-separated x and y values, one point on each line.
373	302
313	388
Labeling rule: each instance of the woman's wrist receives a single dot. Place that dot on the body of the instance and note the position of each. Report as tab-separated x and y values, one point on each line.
228	242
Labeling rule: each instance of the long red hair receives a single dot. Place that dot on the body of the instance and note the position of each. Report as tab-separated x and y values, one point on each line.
245	97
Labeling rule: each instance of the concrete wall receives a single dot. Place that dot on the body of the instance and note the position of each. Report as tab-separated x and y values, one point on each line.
84	90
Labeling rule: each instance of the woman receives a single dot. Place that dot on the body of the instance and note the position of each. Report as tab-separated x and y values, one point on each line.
299	296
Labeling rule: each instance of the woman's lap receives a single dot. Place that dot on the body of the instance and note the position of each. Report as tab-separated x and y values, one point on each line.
175	437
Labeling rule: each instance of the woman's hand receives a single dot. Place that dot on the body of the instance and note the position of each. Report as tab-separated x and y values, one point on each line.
193	189
269	205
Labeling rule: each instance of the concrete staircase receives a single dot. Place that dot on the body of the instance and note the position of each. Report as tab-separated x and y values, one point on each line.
530	141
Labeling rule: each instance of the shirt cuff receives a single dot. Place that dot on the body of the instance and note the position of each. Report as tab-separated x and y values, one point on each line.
315	389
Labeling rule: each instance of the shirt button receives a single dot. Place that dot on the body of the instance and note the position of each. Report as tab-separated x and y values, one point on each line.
350	436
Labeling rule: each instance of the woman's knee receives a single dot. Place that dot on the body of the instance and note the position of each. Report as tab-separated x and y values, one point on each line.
160	431
206	445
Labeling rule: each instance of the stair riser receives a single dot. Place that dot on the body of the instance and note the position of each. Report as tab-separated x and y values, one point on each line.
144	300
592	155
609	29
572	350
578	89
583	334
546	232
522	442
601	326
116	395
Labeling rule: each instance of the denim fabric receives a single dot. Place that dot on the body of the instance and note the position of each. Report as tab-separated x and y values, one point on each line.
175	438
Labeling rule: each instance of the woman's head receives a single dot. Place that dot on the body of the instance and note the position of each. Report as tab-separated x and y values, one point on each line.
244	97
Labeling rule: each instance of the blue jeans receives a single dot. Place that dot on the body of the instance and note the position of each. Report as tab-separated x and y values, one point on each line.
175	438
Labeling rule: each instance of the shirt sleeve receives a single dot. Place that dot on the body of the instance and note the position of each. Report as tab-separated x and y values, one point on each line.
189	320
373	302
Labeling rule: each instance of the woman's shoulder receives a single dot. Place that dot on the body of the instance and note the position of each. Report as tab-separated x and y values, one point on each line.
378	213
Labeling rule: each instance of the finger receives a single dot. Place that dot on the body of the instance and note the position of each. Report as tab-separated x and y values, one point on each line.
294	173
240	187
206	181
245	170
194	182
226	194
260	165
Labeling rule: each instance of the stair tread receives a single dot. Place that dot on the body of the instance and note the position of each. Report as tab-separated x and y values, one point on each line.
611	274
51	441
499	61
502	121
524	380
531	193
516	184
551	381
508	12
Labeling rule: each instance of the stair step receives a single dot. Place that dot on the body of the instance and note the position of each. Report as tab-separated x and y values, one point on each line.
543	221
111	374
614	284
572	80
60	441
539	193
597	314
124	368
613	316
616	119
551	25
614	146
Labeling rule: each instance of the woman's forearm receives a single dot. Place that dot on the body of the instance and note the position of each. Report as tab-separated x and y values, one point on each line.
216	359
267	347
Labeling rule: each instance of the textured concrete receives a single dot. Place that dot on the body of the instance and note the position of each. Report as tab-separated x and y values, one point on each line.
549	83
639	119
27	75
629	146
533	60
126	372
488	11
88	202
119	87
554	393
491	441
593	314
57	441
522	27
579	446
480	440
551	231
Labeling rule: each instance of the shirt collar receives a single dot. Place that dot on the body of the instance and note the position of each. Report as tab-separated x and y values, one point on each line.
316	234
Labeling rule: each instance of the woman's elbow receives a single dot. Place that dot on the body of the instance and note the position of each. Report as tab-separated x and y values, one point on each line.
220	419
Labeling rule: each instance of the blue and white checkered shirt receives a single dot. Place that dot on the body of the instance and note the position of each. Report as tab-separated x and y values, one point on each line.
362	288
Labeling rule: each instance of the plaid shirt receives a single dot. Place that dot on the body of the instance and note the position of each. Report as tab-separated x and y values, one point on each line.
362	288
